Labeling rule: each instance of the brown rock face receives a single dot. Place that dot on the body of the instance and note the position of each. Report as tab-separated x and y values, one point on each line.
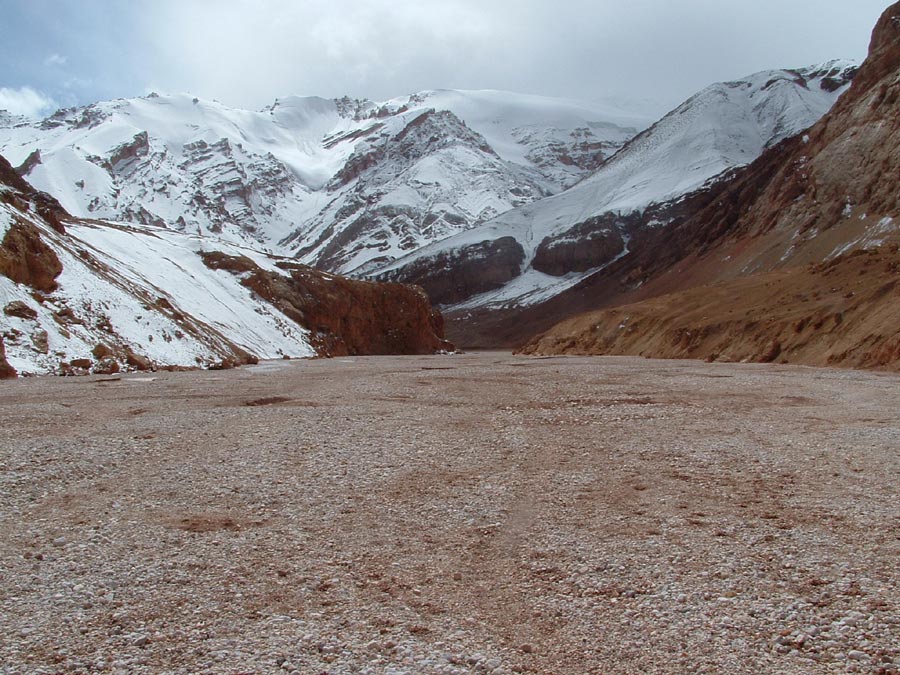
26	259
45	205
6	370
346	317
849	165
138	361
590	244
450	278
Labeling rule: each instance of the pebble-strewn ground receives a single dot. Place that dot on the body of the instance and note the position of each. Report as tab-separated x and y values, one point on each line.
469	514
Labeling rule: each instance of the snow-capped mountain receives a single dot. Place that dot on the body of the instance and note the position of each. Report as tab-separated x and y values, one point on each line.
563	139
80	295
537	250
345	185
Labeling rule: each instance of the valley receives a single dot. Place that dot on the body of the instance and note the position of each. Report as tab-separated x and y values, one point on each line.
457	382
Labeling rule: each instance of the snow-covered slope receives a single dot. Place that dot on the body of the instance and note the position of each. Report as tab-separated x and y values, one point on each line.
178	161
344	184
562	138
568	235
82	295
140	290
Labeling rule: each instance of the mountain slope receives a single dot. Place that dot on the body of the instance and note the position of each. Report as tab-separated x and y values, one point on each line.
91	295
342	184
843	312
788	232
562	238
565	140
417	178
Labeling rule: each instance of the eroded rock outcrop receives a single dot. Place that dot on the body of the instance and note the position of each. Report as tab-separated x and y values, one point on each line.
346	317
26	259
453	276
593	243
23	196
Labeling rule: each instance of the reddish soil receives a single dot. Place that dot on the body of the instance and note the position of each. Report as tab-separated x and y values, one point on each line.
841	313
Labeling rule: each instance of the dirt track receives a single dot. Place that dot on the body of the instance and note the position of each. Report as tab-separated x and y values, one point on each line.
475	513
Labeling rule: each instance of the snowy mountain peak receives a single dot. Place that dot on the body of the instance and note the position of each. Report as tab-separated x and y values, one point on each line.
559	239
288	178
832	74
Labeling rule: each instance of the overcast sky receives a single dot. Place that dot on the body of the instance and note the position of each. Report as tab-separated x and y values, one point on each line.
245	53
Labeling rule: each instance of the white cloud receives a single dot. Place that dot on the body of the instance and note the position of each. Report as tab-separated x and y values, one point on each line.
56	60
26	101
246	53
325	47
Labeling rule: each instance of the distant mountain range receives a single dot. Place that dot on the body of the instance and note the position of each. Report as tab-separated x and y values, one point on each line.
350	186
345	185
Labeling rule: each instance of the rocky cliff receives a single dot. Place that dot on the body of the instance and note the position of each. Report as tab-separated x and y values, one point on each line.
345	316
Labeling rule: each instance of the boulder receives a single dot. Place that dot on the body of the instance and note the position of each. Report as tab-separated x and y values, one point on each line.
26	259
20	310
107	366
101	351
6	370
137	361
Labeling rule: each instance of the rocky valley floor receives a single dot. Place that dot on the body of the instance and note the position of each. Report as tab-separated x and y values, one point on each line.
475	513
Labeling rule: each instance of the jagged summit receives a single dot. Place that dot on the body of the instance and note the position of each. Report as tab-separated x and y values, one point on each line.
291	177
558	240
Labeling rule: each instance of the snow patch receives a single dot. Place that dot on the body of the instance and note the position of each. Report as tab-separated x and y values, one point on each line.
874	237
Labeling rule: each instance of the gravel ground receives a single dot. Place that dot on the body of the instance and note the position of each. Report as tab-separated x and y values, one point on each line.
476	513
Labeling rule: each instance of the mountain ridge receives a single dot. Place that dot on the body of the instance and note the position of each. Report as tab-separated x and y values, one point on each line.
83	295
567	236
809	233
294	172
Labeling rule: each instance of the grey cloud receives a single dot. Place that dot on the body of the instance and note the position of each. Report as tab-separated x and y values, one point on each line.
248	52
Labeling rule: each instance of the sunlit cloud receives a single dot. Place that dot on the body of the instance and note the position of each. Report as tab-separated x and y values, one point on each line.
26	101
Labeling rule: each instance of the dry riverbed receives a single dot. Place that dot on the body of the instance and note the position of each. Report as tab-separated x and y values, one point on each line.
476	513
